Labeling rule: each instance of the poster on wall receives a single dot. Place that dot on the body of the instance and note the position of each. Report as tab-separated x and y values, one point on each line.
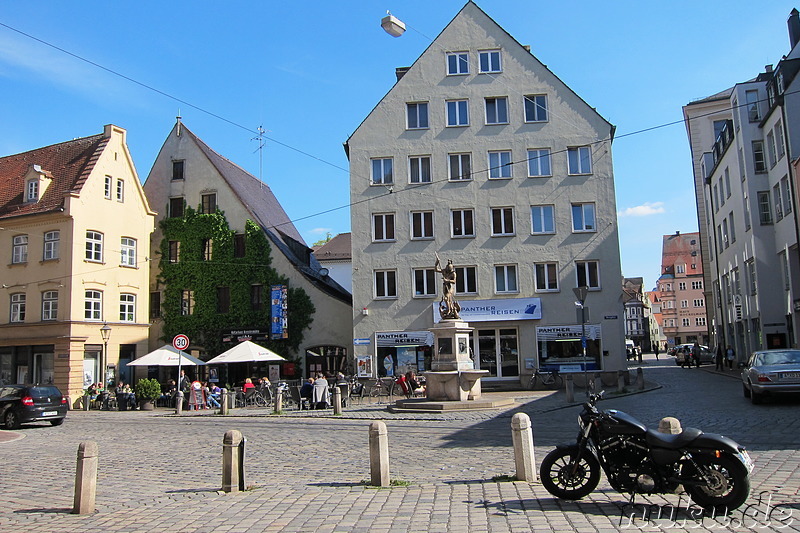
406	359
279	305
364	365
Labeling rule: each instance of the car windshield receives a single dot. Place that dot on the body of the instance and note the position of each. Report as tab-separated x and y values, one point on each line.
789	357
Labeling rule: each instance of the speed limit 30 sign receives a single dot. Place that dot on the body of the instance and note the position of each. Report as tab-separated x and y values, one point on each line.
180	342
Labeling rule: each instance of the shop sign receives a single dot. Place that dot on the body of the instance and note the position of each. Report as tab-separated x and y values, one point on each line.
551	333
496	310
386	339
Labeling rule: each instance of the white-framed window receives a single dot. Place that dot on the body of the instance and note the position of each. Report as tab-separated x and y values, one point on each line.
421	225
419	169
751	102
51	241
759	163
764	208
588	274
697	285
497	110
786	195
120	190
500	164
128	252
535	108
383	227
583	219
505	279
732	227
127	307
579	160
385	284
107	188
462	223
466	280
680	268
698	302
779	139
751	275
776	199
32	190
684	304
49	305
543	219
502	221
772	152
685	322
208	249
17	313
382	171
457	63
424	282
94	246
187	302
546	275
457	113
460	166
539	162
92	305
682	286
489	61
700	321
417	115
19	249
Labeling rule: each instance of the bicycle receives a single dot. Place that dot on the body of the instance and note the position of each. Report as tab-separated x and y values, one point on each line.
550	380
379	387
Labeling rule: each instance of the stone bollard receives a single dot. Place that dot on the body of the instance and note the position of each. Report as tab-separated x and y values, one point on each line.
640	378
231	399
379	454
179	403
231	461
278	401
522	437
85	478
620	380
337	400
570	388
223	404
670	425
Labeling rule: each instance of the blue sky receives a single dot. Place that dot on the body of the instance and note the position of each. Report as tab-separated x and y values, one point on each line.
309	72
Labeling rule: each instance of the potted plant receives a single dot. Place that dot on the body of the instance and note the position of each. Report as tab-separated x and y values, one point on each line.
147	392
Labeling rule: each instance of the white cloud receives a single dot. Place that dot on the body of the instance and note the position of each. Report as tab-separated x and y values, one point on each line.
644	210
320	231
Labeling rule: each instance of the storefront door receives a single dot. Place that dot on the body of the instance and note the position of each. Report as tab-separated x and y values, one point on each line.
498	352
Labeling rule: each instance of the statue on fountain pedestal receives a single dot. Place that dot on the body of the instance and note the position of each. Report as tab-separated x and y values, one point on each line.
448	306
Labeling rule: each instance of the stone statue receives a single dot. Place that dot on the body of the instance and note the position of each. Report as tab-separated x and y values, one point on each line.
448	306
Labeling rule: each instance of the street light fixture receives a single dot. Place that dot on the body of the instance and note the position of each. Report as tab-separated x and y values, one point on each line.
580	294
105	333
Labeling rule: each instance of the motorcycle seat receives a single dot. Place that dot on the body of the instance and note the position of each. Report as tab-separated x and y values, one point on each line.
671	442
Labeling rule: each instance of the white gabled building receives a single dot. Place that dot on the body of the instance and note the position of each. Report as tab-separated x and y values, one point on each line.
480	153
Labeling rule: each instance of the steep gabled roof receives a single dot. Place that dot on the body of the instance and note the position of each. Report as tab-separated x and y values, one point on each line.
68	164
336	249
253	193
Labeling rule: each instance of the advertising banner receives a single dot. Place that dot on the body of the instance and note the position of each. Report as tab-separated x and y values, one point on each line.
279	325
496	310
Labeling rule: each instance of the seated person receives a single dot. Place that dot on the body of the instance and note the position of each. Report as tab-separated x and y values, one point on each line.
307	390
248	384
319	394
413	383
212	398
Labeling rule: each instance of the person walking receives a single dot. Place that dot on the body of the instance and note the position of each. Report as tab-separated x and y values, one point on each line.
696	354
730	355
655	349
719	358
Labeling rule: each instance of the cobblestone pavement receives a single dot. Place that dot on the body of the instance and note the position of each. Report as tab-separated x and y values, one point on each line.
305	471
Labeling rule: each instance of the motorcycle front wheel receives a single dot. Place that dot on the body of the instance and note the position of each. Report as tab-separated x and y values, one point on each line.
724	483
566	478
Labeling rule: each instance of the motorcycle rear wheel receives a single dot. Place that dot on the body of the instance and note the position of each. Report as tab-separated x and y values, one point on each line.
556	476
729	488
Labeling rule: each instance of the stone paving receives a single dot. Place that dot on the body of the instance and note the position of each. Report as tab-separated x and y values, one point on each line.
305	471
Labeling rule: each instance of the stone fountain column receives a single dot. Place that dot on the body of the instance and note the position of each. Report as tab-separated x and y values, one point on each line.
453	376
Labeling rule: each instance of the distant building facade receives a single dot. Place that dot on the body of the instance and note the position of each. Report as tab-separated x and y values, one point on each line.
336	257
637	313
76	228
481	154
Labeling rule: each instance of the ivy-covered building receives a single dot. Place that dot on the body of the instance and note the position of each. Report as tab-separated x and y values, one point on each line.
222	243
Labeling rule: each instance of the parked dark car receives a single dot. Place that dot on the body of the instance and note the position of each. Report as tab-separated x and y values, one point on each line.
771	372
20	404
706	355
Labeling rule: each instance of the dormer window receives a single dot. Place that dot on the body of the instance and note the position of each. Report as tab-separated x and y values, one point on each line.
32	191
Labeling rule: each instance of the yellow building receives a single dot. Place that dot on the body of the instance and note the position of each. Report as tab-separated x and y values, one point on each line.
74	231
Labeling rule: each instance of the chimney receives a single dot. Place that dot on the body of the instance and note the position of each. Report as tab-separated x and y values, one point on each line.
794	27
768	69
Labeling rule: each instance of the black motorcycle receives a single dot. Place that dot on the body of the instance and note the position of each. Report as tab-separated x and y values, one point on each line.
714	470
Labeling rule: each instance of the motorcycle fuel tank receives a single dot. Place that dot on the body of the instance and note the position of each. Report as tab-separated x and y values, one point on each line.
620	423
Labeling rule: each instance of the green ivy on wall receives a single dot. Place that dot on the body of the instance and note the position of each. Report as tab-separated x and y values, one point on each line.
199	235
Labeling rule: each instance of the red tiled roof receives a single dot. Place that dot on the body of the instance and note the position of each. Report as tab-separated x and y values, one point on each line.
68	164
336	249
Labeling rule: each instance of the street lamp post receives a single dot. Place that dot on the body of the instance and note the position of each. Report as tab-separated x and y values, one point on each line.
580	294
105	333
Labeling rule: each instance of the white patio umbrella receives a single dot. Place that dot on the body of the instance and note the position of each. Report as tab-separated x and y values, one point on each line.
166	356
244	352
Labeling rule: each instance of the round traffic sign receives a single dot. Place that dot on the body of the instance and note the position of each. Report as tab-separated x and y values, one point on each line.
180	342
